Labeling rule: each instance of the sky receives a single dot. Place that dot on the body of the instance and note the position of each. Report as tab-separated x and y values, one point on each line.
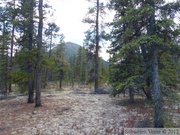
68	16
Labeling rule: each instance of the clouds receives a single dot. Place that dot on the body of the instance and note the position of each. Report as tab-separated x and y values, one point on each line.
69	15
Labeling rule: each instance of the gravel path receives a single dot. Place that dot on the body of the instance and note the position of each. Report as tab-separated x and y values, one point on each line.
67	113
63	114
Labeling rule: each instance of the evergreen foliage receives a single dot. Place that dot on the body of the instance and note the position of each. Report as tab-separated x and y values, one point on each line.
60	64
144	37
92	39
4	41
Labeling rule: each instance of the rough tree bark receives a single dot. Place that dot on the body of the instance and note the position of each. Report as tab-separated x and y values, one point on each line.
30	46
158	119
39	55
131	95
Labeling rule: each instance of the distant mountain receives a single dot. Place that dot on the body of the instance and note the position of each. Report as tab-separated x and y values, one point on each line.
71	49
106	63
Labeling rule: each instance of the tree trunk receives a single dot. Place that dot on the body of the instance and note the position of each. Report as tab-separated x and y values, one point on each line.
96	79
158	119
11	61
31	92
38	88
148	94
4	63
61	79
39	55
60	83
131	95
30	46
148	80
6	75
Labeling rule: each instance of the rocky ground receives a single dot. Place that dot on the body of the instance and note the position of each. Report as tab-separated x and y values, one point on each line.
72	113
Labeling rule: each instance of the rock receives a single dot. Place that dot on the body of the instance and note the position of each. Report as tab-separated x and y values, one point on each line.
14	133
34	112
52	129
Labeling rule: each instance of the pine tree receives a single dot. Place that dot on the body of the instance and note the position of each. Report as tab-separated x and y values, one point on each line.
50	32
96	77
11	6
60	64
72	71
30	48
81	65
4	41
93	37
39	56
134	49
26	42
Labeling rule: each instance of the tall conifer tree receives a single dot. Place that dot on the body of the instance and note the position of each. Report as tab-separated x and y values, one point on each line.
39	56
93	37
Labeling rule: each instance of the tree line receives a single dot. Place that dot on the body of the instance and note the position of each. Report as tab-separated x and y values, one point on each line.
18	30
33	51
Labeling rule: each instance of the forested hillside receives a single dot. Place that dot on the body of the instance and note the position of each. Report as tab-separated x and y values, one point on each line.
71	50
141	78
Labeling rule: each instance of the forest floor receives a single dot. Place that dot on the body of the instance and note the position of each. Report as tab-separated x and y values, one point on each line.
74	113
